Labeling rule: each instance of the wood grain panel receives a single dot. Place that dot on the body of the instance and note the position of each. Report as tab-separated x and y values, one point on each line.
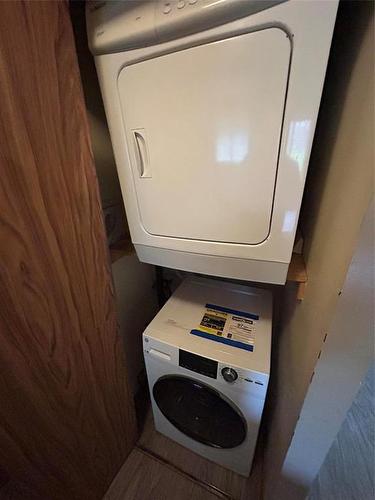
66	418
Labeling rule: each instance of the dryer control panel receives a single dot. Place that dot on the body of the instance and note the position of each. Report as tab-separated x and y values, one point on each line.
118	26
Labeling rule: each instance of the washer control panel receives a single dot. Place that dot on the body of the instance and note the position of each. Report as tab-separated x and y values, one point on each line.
198	364
243	379
229	374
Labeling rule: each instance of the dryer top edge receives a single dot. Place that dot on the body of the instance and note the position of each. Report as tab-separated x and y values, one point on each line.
116	26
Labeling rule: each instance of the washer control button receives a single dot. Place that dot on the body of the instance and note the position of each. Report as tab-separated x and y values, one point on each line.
192	2
167	8
229	375
181	4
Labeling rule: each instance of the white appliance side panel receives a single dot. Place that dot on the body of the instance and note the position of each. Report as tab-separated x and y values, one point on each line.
203	130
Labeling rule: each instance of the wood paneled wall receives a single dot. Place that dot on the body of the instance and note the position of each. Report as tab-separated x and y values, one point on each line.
66	417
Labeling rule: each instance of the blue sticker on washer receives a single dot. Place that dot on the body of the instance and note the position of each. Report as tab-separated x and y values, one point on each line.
228	326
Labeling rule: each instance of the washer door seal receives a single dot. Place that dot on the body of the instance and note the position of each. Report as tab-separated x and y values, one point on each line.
200	412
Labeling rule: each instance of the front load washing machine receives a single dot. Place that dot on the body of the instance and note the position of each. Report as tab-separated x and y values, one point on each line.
207	355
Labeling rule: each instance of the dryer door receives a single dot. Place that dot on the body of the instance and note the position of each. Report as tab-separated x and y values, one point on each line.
199	411
203	128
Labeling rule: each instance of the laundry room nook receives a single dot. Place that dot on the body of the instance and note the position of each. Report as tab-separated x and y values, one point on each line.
187	250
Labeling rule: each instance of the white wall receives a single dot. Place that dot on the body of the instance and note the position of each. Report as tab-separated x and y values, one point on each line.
338	192
345	358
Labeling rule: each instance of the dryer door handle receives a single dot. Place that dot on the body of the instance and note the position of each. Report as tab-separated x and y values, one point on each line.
141	153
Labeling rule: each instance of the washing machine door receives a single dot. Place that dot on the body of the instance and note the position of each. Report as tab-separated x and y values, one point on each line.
199	411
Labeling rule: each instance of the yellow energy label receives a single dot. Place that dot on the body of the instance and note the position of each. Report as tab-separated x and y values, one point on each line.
228	326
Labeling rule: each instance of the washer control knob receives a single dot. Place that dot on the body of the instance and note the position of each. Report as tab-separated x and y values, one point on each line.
229	375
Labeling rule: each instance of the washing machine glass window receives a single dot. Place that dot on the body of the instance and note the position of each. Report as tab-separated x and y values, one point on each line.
199	411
